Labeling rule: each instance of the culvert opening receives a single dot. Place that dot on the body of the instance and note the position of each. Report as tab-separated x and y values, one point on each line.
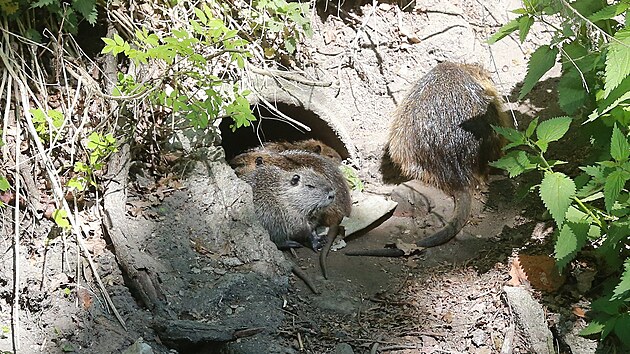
269	127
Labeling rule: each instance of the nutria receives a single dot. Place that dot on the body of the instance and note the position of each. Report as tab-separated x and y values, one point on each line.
289	204
294	159
310	145
441	134
290	160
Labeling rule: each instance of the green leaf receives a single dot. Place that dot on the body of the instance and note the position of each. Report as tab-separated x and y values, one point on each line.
543	145
543	59
290	44
624	285
576	54
571	91
531	127
587	7
87	9
61	218
614	99
553	129
571	239
615	182
56	117
622	329
38	115
556	191
524	24
200	15
515	162
241	112
77	183
505	30
606	305
619	147
617	60
609	12
512	135
593	328
67	347
42	3
4	184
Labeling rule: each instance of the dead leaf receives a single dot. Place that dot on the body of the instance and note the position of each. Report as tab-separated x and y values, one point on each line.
579	312
176	184
50	209
7	197
410	35
408	248
448	317
96	245
84	298
540	271
329	36
56	281
517	277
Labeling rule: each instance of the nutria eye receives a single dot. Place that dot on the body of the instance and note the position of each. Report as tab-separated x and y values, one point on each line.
295	180
259	161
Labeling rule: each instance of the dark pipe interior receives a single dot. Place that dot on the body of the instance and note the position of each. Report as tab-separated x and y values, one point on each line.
269	127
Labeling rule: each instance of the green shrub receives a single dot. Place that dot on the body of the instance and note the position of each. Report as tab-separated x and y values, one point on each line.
590	208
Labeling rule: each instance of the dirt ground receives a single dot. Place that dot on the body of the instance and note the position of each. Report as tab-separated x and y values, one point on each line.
448	299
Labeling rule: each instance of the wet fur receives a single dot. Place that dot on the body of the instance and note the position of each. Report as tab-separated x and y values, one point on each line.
290	209
441	134
291	160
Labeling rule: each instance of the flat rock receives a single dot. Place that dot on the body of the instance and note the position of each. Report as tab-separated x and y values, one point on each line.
531	319
343	348
368	211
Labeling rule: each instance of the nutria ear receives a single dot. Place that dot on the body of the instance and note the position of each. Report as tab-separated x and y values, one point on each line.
317	149
259	161
295	180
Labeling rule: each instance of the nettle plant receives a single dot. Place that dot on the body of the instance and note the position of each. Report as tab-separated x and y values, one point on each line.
69	13
591	208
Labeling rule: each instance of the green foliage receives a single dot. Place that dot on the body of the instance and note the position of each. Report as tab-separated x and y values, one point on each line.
556	191
282	24
99	146
551	130
70	16
352	178
617	61
4	184
47	124
590	208
540	62
182	51
61	218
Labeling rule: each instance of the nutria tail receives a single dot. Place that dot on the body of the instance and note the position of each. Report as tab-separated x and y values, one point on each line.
461	212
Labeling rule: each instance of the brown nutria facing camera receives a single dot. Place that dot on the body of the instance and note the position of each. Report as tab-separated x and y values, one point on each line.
294	159
291	160
441	134
289	204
